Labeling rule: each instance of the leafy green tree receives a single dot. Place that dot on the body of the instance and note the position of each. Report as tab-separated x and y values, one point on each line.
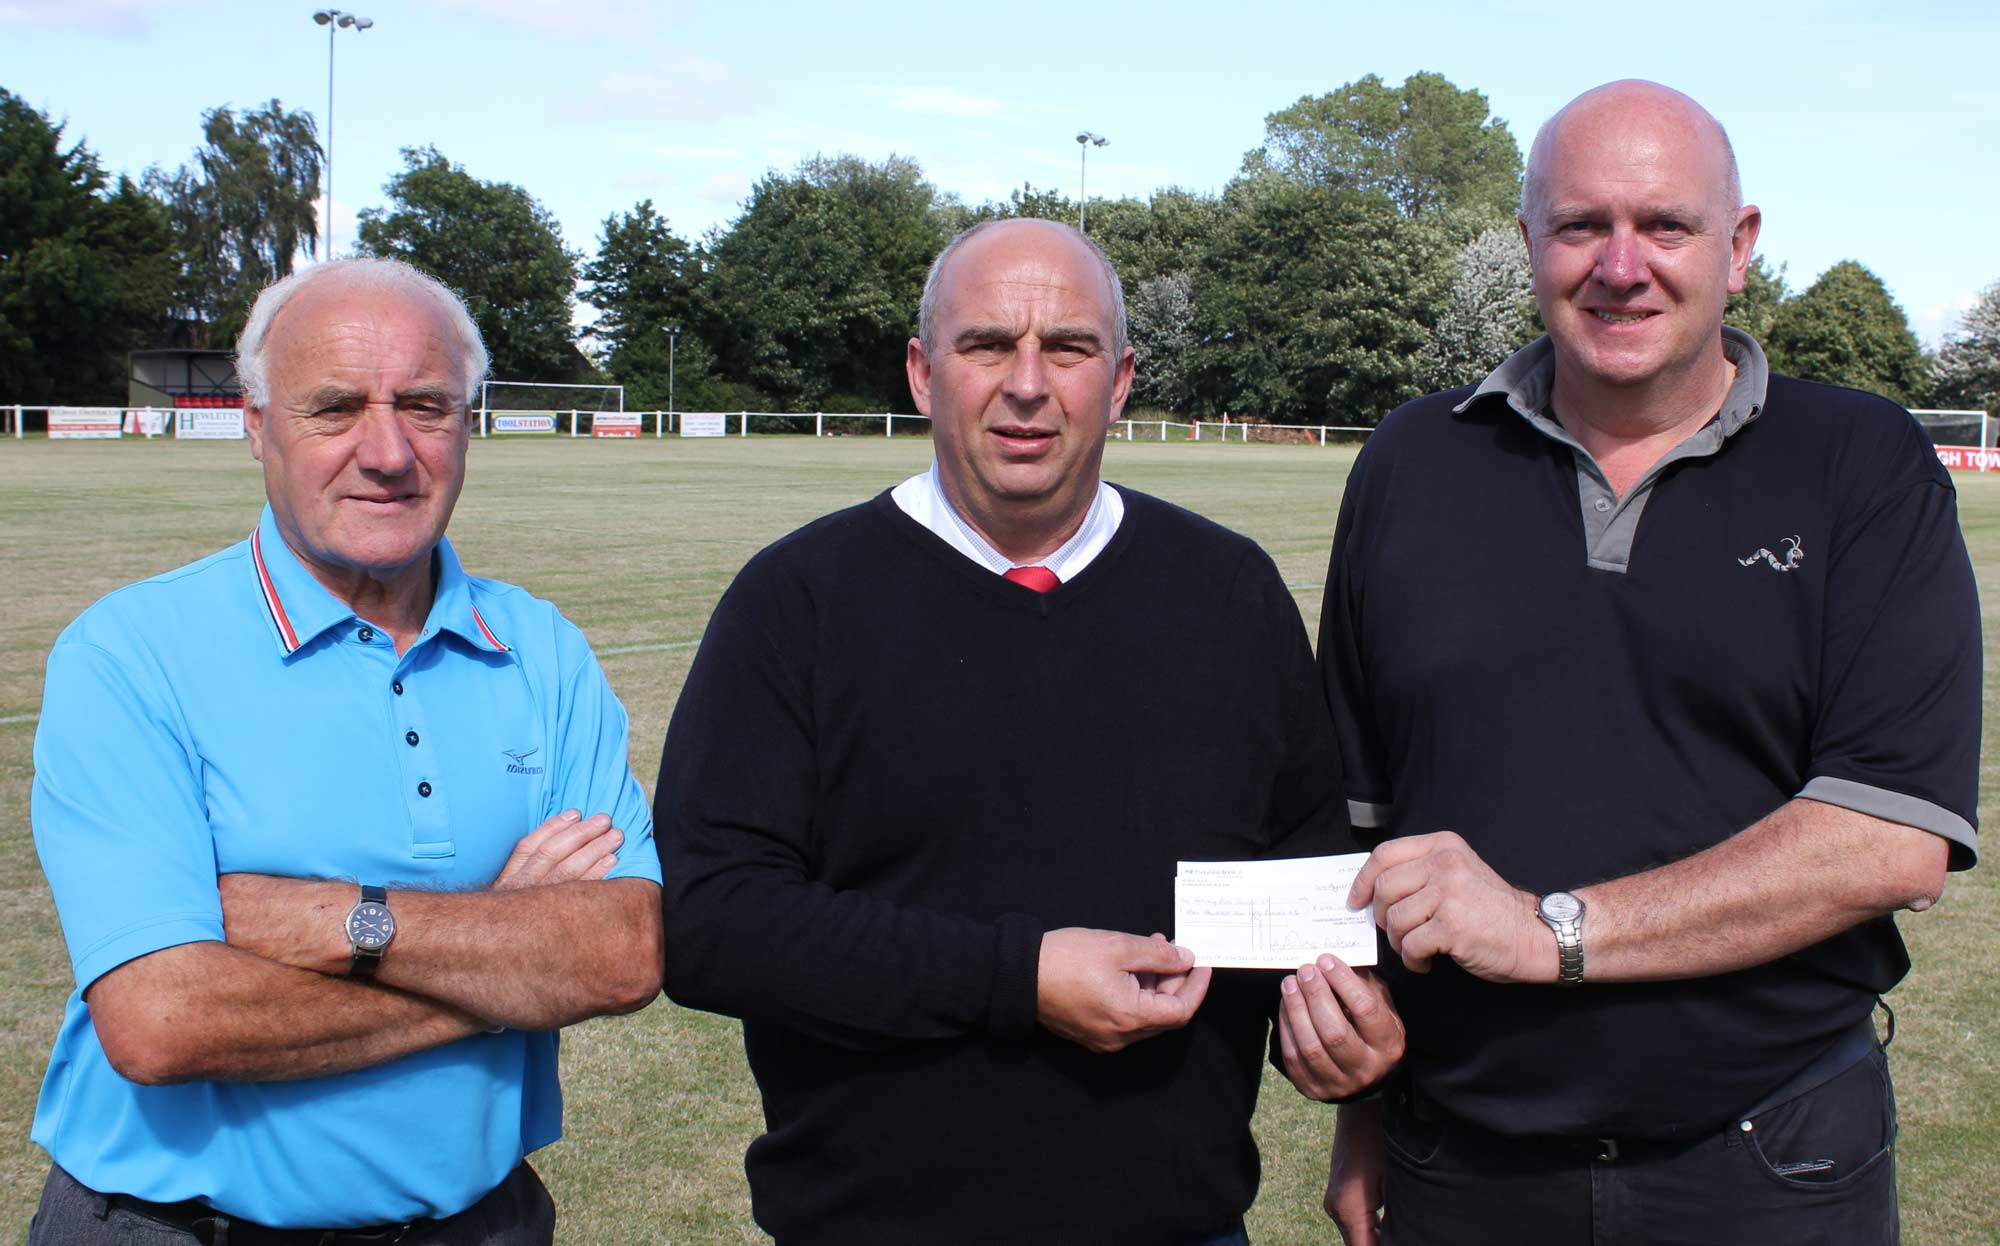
1756	308
242	212
1155	237
1844	329
642	282
86	269
1425	145
1485	315
1312	305
1966	374
812	292
494	244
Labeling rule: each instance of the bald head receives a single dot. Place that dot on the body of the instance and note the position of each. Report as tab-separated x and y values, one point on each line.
995	231
1631	111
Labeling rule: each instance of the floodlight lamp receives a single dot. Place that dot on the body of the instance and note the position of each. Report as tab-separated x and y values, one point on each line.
363	23
1082	138
323	16
346	20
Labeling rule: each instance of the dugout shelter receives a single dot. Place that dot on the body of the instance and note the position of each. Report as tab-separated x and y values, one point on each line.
183	377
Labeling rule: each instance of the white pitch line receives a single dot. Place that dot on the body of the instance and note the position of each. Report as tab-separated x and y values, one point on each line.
676	644
18	718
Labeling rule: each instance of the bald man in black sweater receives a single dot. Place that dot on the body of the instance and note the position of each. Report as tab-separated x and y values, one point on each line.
924	791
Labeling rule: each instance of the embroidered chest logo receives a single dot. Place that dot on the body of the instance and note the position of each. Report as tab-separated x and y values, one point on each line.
1794	555
517	760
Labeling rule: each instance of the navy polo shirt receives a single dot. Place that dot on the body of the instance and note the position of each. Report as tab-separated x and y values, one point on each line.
1586	686
235	716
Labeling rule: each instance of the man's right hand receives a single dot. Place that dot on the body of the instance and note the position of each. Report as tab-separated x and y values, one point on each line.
566	848
1354	1174
1106	991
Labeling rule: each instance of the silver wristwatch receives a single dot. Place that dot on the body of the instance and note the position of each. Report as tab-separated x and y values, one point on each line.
1564	914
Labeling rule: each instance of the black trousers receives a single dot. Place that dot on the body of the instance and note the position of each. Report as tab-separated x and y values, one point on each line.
1818	1168
517	1212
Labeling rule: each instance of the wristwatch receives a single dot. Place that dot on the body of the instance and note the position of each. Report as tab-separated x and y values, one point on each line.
370	928
1564	914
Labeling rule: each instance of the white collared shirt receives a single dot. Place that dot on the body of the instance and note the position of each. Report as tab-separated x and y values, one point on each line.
922	498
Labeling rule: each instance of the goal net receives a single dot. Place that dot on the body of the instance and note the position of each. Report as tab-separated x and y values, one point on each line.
547	398
1959	428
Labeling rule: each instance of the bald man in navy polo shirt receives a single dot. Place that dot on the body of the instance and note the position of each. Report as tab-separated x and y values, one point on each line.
1658	679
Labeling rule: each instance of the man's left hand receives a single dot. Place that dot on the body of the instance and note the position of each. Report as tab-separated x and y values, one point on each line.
1338	1033
1435	897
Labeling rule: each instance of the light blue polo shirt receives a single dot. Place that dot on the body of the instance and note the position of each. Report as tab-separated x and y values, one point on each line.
235	716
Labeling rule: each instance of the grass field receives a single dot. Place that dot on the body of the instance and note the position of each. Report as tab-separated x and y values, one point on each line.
636	541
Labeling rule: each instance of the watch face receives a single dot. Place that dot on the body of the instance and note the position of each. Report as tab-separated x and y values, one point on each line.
1561	906
370	927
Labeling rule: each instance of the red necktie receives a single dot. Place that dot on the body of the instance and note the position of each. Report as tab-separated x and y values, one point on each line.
1041	579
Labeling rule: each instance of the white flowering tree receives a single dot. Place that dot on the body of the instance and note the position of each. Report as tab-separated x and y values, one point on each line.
1966	373
1161	312
1485	314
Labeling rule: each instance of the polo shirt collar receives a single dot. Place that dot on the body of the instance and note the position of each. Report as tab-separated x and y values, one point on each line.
300	609
1527	381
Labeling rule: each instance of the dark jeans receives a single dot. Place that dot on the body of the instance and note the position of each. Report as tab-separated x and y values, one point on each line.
517	1212
1819	1168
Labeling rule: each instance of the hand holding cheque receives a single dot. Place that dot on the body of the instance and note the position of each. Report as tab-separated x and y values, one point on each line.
1337	1031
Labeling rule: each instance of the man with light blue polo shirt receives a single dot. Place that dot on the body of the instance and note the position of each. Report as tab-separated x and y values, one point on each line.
312	810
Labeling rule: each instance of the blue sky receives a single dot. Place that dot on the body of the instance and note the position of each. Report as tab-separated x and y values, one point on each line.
1865	131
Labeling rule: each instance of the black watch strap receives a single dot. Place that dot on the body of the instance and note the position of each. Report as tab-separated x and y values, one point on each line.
365	959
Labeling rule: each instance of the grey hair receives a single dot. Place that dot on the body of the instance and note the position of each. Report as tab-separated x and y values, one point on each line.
376	276
927	309
1532	199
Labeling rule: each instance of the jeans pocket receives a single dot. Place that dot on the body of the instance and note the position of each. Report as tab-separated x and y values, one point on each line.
1833	1135
1410	1139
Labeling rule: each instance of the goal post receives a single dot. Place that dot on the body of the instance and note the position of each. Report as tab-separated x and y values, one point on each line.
547	397
1964	439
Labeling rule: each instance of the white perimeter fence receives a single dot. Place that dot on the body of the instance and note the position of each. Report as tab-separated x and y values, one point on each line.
1965	440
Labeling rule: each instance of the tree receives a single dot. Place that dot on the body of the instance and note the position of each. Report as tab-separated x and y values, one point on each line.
497	247
1161	312
1425	145
1967	372
241	212
1485	315
86	270
1846	330
641	282
1312	305
1756	308
811	294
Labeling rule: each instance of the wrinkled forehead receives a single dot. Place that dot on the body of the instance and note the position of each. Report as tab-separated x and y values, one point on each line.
369	328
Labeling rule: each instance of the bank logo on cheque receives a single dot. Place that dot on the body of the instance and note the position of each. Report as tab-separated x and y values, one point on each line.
517	760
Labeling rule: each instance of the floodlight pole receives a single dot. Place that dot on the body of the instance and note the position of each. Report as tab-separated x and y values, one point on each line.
673	337
1085	140
333	20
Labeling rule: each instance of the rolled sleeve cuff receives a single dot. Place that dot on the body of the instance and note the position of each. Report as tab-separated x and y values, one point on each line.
1367	815
1017	961
1891	806
151	935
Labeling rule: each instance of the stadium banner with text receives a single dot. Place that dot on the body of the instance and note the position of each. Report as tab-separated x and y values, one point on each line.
1969	458
614	424
704	424
208	423
518	422
81	422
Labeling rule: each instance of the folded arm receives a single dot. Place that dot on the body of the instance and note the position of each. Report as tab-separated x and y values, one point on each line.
207	1011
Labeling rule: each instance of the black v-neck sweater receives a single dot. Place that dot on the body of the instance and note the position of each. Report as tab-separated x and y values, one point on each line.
889	772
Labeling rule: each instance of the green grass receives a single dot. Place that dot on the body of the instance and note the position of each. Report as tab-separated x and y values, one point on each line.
636	541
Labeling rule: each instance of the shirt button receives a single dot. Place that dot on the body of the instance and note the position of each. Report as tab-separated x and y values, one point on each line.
366	634
411	738
397	686
1602	505
424	789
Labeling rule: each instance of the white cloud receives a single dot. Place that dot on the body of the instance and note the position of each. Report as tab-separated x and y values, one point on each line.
936	101
577	21
1933	322
686	90
128	18
727	188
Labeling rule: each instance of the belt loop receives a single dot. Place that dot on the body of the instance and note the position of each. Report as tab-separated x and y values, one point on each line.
1607	1150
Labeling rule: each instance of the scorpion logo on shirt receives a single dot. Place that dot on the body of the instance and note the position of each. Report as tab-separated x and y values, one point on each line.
1794	555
